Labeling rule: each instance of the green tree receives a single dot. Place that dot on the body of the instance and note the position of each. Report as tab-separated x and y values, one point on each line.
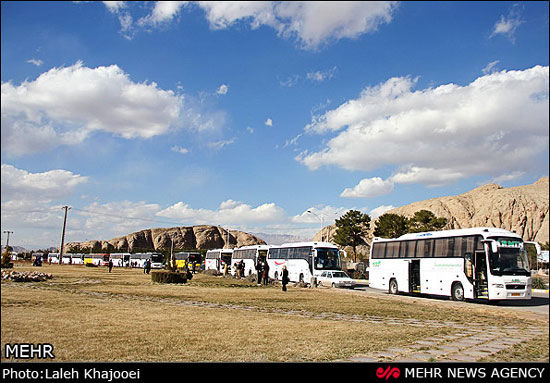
425	220
391	225
351	228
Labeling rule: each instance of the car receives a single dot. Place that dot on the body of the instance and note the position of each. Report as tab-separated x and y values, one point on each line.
335	279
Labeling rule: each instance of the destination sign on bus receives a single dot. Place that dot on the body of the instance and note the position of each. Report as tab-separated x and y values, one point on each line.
509	243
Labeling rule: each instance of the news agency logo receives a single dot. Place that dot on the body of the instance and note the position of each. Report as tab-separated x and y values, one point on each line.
389	372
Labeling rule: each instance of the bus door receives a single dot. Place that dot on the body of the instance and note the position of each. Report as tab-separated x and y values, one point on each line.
480	274
414	276
262	255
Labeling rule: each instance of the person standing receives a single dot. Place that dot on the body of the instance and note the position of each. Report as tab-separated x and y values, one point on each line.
265	269
259	272
285	277
110	265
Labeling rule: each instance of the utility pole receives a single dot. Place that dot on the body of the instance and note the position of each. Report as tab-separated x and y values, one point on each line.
322	223
63	235
7	241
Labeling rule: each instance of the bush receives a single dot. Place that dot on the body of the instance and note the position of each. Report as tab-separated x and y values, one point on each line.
538	283
168	277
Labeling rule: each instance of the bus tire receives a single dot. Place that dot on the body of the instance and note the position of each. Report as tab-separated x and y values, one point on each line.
301	278
457	292
392	288
276	275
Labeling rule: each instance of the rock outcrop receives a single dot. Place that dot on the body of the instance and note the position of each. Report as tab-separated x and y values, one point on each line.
523	209
192	237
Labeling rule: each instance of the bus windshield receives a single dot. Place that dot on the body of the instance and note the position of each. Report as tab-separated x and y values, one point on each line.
509	261
327	259
157	258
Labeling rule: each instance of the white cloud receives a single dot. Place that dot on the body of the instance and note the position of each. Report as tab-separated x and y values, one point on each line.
163	12
229	213
320	214
321	76
30	204
19	184
113	219
491	67
220	144
427	176
179	149
65	105
35	62
378	211
269	122
369	188
508	25
312	24
114	6
223	89
498	124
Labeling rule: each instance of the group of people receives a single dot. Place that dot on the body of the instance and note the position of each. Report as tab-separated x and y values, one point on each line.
238	267
262	270
147	267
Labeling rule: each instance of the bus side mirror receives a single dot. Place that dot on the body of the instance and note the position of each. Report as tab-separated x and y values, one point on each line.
494	247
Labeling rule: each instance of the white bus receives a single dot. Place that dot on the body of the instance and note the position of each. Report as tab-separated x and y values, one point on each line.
216	259
73	259
53	258
139	259
304	260
485	263
120	259
77	259
250	255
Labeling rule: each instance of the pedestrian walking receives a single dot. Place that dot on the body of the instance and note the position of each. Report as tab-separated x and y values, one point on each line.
148	266
285	277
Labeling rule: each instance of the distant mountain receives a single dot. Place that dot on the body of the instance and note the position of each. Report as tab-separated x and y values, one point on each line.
192	237
17	249
523	209
279	239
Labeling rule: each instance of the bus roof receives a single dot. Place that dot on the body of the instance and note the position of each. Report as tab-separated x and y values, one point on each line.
222	250
304	244
258	247
483	231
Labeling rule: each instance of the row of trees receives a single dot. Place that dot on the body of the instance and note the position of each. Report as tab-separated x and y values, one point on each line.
353	226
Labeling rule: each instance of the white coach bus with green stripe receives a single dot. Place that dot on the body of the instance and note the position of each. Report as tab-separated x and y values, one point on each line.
478	263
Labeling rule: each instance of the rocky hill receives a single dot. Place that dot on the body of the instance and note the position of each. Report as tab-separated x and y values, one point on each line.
192	237
523	209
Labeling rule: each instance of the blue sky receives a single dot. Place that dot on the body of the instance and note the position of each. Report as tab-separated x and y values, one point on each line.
247	115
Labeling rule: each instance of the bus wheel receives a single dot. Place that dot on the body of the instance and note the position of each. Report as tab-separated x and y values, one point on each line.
393	287
457	292
301	279
276	275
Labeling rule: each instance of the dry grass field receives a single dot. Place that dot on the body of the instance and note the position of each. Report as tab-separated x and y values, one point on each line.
88	314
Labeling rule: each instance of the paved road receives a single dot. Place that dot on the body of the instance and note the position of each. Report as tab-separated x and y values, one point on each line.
538	304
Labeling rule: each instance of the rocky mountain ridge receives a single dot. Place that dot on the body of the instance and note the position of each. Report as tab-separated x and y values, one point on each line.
189	237
523	209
